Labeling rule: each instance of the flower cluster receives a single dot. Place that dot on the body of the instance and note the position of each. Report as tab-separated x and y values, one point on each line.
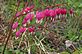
24	11
28	18
40	15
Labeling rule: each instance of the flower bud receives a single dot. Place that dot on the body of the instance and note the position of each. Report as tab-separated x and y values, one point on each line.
52	13
58	11
26	10
15	25
39	15
71	11
31	29
47	12
18	14
22	29
63	11
24	21
30	16
18	33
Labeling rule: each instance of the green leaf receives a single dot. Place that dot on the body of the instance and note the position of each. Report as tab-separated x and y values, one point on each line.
69	1
8	52
21	6
38	33
76	52
1	47
80	5
64	53
17	51
80	50
74	37
21	53
43	22
37	4
33	21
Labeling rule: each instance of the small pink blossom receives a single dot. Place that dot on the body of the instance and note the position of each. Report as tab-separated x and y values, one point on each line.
15	25
18	14
24	21
32	6
26	10
52	13
31	29
39	15
29	16
71	11
58	11
63	11
47	12
18	33
22	29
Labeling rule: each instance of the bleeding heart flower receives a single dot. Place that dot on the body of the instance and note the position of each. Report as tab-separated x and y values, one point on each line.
29	16
18	33
39	15
26	10
63	11
24	21
32	6
15	25
47	12
31	29
71	11
52	13
58	11
18	14
22	29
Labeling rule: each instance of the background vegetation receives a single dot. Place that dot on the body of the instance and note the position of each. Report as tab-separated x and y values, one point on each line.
53	41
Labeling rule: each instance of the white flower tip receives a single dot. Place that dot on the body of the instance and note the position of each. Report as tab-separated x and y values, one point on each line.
14	30
24	12
24	24
28	21
16	38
